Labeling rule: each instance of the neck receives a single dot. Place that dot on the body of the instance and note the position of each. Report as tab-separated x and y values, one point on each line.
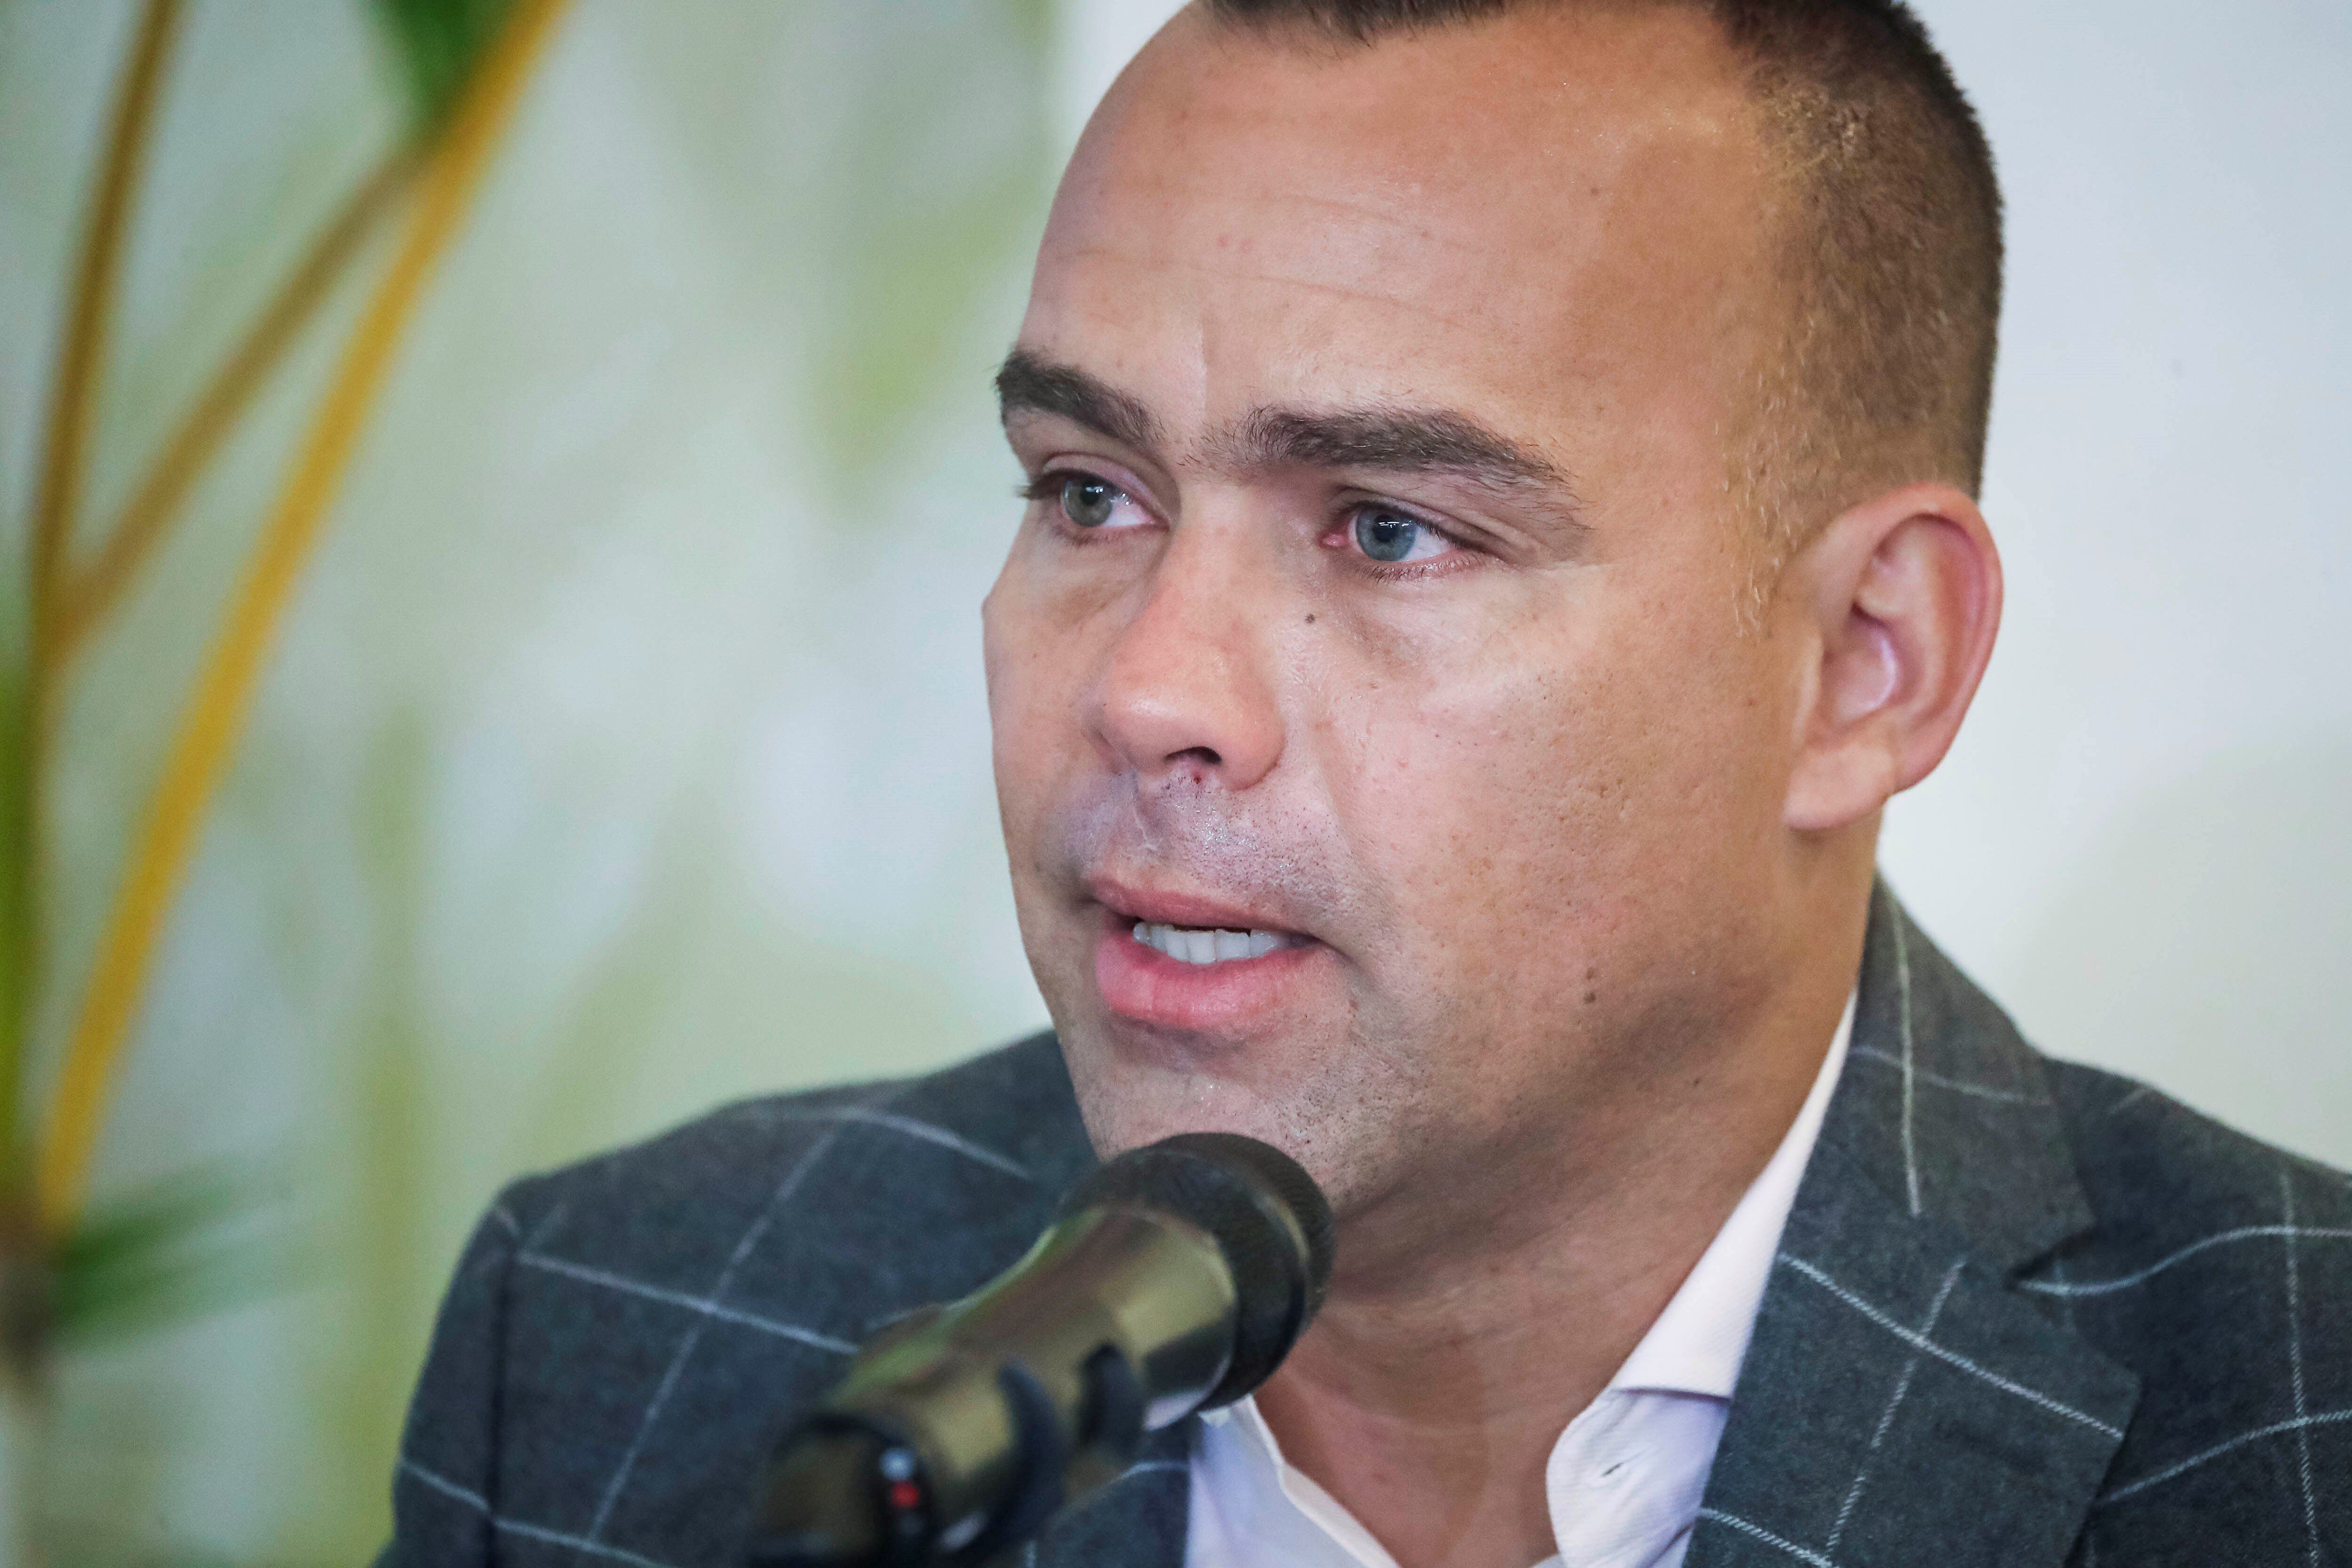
1448	1359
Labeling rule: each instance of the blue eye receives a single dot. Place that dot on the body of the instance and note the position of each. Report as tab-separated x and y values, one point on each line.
1087	500
1388	535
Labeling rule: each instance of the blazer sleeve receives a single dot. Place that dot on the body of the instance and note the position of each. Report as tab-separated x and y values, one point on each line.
445	1485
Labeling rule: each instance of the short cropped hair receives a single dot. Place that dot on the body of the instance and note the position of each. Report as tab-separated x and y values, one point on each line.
1884	375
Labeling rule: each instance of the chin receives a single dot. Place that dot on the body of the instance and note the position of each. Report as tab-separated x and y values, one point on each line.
1130	1100
1134	1091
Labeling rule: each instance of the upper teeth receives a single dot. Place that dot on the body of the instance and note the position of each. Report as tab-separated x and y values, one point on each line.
1189	945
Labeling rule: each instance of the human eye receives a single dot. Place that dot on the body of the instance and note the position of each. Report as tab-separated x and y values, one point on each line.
1388	536
1087	502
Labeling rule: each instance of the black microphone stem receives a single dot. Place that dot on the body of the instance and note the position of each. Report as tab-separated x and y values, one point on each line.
1176	1278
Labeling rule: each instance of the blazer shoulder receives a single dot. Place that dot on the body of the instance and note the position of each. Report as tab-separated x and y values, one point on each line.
2219	1270
2208	1251
928	1154
628	1331
2150	1163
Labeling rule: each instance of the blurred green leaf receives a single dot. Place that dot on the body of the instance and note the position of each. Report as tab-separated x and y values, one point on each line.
217	1237
439	43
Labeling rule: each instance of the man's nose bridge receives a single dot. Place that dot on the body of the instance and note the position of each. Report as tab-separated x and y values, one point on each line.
1188	677
1198	621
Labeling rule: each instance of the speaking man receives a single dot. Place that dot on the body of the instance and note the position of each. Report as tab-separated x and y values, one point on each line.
1501	526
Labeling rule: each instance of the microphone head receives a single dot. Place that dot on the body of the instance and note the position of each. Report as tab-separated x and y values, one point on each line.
1267	1217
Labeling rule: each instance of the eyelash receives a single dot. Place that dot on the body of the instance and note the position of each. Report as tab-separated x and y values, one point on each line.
1464	554
1047	487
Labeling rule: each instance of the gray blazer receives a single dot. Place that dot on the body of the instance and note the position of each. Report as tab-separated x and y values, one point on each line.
2025	1313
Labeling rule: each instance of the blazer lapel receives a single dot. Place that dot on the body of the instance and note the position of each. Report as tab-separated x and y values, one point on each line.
1898	1398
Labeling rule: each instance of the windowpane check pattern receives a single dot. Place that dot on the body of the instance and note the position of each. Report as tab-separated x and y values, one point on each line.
2023	1315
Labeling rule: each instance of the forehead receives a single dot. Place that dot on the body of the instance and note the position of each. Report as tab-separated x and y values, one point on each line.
1528	216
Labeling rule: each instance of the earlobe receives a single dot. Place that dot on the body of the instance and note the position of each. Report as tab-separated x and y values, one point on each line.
1903	599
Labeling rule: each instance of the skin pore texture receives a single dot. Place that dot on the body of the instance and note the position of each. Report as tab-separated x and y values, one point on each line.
1381	590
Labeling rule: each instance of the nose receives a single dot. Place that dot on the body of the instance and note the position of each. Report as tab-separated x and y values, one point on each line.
1184	696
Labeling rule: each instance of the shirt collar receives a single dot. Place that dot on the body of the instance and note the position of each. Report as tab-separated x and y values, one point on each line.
1696	1344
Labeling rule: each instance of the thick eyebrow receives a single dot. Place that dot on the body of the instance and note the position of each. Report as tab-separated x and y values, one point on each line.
1437	442
1030	384
1399	440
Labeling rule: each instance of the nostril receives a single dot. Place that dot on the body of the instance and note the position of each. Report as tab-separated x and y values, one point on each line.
1199	755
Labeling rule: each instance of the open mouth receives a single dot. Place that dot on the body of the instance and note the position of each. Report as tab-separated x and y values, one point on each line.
1222	975
1206	945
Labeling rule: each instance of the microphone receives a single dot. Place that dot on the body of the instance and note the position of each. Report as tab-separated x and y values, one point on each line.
1174	1279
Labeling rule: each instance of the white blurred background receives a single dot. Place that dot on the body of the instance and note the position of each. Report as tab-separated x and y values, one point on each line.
624	751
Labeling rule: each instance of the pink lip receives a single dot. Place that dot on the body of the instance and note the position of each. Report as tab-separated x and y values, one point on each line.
1144	985
1177	909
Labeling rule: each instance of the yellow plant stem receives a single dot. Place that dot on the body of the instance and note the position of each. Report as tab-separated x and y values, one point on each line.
83	353
224	694
56	502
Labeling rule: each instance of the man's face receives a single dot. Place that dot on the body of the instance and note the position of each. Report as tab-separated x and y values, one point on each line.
1379	594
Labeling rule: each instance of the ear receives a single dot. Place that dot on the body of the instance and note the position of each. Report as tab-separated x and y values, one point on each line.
1900	598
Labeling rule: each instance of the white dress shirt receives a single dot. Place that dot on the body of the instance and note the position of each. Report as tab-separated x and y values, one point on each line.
1623	1481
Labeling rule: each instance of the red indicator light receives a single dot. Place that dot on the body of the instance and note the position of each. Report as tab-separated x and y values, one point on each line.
906	1496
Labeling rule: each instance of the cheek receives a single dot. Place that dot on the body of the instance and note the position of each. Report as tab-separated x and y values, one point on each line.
1478	797
1047	627
1025	691
1514	804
